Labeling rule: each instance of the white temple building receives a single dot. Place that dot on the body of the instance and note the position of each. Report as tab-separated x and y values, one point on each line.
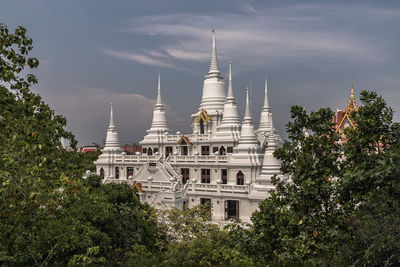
224	161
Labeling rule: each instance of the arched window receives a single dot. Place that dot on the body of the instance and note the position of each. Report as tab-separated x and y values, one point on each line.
201	126
240	178
102	173
149	151
222	150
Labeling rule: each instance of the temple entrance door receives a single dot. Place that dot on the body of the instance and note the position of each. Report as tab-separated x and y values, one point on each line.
231	209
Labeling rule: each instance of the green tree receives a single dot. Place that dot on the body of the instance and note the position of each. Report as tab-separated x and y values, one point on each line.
193	240
49	215
295	222
371	186
335	193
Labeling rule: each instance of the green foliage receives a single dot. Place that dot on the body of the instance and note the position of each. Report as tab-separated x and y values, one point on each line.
88	159
340	199
193	240
296	220
48	214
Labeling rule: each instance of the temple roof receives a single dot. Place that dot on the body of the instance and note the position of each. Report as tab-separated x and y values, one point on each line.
345	119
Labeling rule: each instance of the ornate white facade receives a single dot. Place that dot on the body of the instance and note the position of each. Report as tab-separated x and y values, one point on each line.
223	161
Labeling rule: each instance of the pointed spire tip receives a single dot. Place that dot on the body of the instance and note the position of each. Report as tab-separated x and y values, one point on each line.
214	69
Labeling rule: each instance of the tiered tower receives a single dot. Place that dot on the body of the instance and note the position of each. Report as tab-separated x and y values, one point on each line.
270	167
112	142
209	116
248	143
266	115
159	124
230	124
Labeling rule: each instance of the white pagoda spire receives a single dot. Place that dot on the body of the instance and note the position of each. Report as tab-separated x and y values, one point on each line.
214	97
159	123
271	166
248	140
112	141
266	115
214	69
159	101
230	120
230	87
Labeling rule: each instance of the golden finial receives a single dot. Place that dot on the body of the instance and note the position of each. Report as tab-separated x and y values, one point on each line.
352	105
352	88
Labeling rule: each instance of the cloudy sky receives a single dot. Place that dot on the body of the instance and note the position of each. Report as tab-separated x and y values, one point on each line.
94	52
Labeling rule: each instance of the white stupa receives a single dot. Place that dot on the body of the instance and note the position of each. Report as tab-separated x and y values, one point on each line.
112	142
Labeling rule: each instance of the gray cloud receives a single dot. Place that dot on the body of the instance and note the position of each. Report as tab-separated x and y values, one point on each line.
308	51
141	58
297	31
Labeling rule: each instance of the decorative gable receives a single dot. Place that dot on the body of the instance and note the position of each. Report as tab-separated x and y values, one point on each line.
184	141
351	106
203	115
346	122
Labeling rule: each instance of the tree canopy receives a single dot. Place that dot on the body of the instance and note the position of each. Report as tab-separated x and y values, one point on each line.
336	191
48	214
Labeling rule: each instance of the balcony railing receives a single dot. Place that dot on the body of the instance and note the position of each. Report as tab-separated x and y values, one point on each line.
199	159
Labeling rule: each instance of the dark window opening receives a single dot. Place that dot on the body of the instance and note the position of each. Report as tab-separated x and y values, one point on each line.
168	150
205	150
230	149
129	171
222	151
215	149
155	149
102	173
184	150
231	209
149	151
224	176
205	176
185	175
116	172
201	126
144	150
240	178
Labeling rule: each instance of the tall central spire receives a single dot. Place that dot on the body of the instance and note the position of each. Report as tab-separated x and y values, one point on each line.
214	96
214	69
159	101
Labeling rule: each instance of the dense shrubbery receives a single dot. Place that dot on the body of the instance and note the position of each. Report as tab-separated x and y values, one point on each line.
341	206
